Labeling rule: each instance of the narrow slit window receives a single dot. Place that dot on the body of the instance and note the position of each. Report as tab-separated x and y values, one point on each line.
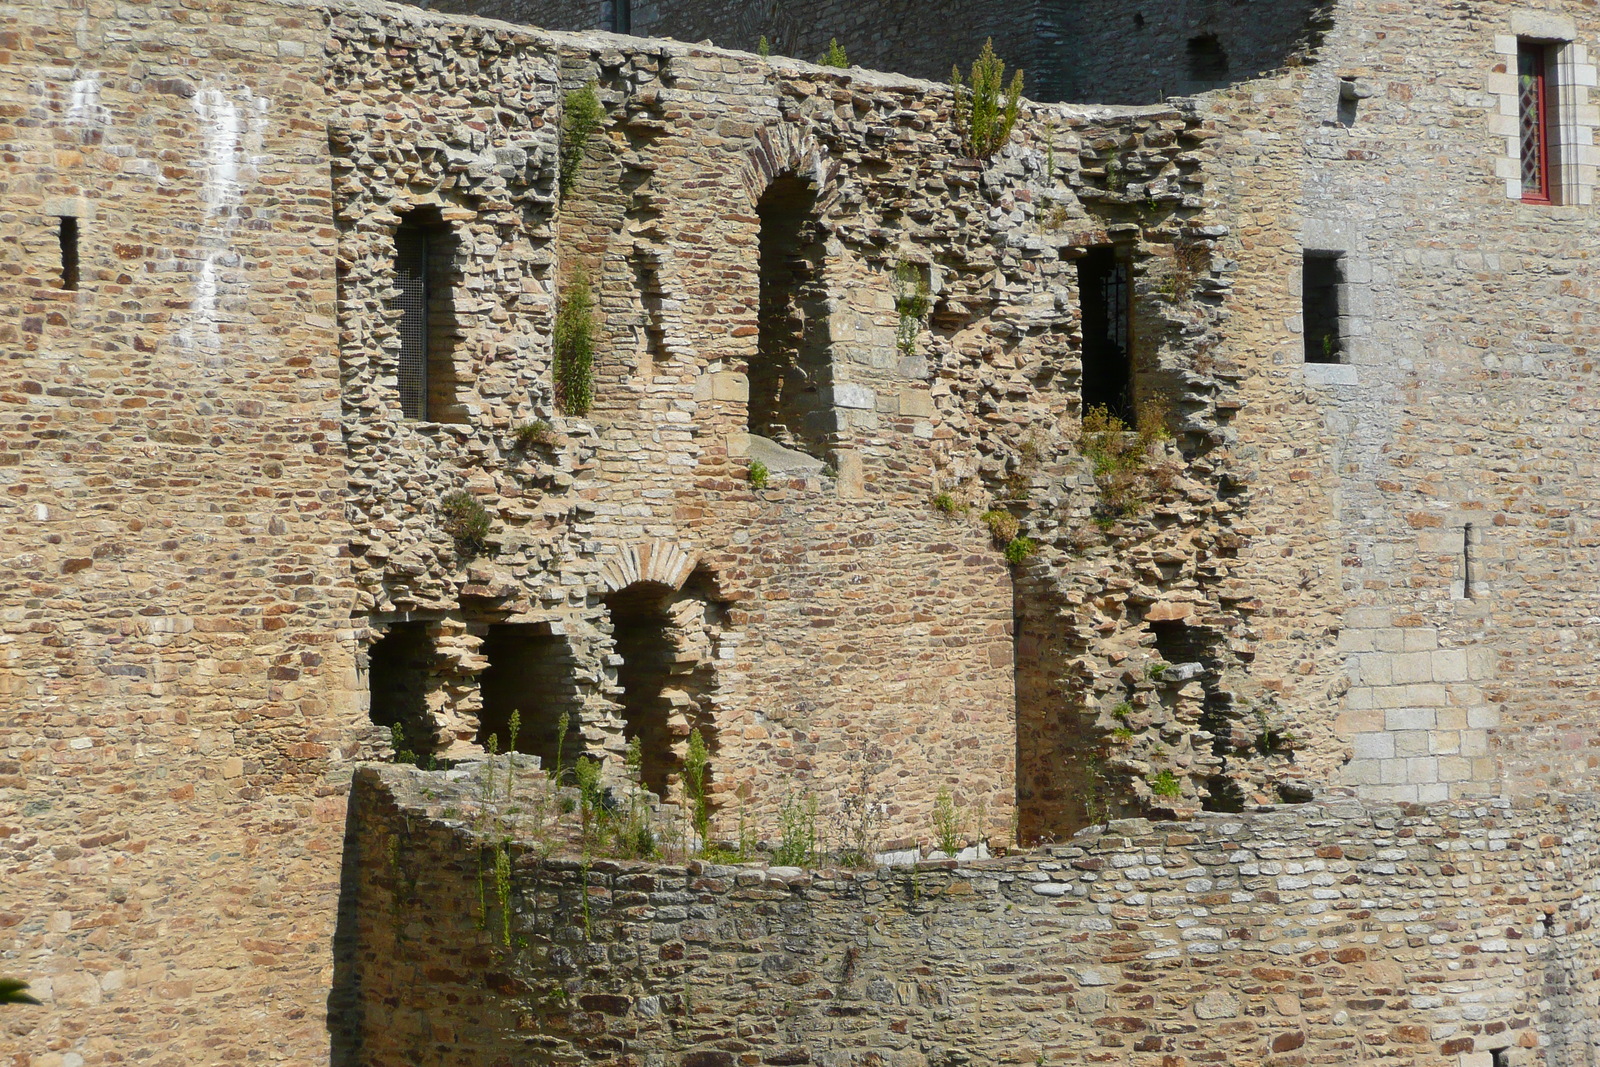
1535	106
1322	306
622	16
68	236
424	254
1107	313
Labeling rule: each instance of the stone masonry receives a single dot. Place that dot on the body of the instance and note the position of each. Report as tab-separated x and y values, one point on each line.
1314	635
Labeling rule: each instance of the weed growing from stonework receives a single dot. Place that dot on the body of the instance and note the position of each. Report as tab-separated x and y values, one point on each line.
1121	457
529	434
581	115
574	344
695	764
634	838
1190	262
797	832
763	47
759	475
1020	549
835	55
1166	784
466	520
397	740
912	300
945	504
1003	525
984	115
946	823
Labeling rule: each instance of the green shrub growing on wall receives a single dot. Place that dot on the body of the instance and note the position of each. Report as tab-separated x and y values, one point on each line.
1121	457
466	520
835	56
1166	784
581	115
574	341
763	47
984	113
912	299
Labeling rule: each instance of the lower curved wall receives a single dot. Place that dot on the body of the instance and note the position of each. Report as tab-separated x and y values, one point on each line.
1328	932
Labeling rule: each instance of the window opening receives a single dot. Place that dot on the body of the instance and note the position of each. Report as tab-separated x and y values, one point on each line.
1500	1057
1533	120
1107	313
1466	561
621	16
424	258
1208	61
397	681
533	673
791	378
640	625
68	236
1322	304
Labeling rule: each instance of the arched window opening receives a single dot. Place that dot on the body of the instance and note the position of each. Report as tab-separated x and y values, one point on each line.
425	252
640	628
667	640
397	679
532	673
791	378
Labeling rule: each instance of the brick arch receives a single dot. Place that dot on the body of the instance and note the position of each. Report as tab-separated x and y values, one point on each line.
784	149
658	562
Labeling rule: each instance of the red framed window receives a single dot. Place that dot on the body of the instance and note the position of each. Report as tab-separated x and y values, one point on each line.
1533	119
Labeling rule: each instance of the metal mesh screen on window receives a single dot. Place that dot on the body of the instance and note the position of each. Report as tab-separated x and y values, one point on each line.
411	278
1531	121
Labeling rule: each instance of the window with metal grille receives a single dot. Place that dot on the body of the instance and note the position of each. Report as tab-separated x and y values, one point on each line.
424	262
411	243
1321	305
1107	314
1535	107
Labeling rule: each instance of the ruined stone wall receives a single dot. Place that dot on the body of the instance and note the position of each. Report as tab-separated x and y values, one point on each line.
861	648
1450	935
888	36
176	660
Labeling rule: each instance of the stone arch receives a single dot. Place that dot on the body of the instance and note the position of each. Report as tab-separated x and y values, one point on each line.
785	149
657	562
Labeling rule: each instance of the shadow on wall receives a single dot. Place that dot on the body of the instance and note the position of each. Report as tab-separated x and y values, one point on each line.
1117	52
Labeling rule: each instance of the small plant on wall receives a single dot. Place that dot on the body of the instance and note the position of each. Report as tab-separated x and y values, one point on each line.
574	343
912	299
466	520
985	114
581	115
835	55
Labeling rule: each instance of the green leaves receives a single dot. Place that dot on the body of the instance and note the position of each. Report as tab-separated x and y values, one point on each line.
984	115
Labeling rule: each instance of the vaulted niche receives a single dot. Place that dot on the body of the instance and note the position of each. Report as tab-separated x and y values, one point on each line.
1104	295
531	671
667	641
640	629
397	677
425	268
791	377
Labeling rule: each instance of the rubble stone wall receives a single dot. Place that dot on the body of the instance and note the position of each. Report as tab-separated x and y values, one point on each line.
1450	935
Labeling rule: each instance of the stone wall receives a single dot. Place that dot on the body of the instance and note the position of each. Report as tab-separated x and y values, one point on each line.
176	660
862	643
1103	51
1459	935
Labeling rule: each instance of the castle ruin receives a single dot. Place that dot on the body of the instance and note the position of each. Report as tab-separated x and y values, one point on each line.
1189	494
